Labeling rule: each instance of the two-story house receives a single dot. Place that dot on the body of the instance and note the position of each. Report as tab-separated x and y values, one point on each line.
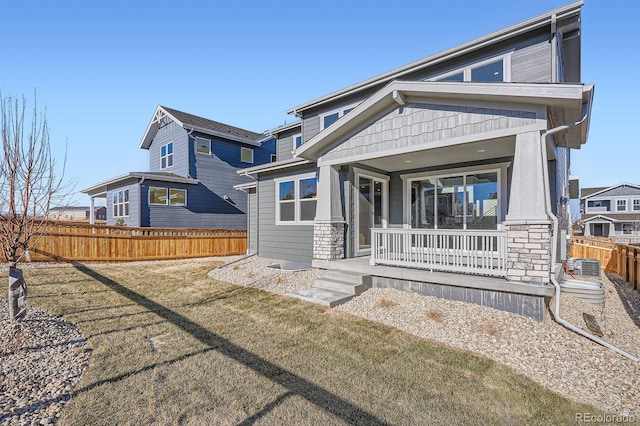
611	211
454	164
192	172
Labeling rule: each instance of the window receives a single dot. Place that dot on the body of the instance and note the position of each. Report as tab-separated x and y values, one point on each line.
627	228
166	155
636	205
246	155
457	201
297	141
203	146
328	119
121	203
273	158
491	70
158	196
296	200
621	205
177	197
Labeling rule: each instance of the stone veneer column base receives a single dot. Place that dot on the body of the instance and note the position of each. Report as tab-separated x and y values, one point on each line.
328	240
528	250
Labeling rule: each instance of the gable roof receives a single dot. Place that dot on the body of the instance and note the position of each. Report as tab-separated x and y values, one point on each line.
592	192
540	21
571	100
199	124
156	176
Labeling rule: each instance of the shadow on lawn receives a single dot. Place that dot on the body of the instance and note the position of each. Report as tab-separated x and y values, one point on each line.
295	384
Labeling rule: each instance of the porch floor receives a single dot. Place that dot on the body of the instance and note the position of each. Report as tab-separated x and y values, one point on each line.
361	265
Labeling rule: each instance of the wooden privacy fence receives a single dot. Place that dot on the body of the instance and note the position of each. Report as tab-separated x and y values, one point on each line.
621	259
97	243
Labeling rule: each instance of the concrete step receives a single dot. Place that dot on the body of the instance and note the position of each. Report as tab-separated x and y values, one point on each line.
321	296
344	276
341	286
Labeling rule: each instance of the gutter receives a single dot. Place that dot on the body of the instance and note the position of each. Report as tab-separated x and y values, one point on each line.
554	245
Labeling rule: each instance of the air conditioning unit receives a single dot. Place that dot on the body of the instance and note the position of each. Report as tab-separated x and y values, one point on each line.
587	267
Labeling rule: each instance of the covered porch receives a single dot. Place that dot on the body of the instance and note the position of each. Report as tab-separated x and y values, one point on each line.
447	178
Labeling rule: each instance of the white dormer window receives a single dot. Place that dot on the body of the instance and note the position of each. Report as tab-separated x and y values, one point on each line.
297	141
494	70
166	155
328	119
203	145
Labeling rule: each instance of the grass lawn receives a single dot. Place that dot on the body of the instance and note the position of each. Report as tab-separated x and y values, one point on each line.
172	346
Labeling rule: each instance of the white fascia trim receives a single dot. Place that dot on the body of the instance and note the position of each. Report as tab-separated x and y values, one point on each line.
222	135
284	128
146	139
268	167
498	36
243	186
109	182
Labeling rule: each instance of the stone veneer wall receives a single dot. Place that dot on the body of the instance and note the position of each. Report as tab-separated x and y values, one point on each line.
328	240
528	251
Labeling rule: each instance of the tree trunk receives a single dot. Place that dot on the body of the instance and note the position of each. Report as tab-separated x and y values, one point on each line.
17	294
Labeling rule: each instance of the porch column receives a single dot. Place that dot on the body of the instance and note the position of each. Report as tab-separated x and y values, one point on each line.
529	229
328	228
92	211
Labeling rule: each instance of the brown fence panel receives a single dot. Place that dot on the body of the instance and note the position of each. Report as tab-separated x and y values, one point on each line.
100	243
621	259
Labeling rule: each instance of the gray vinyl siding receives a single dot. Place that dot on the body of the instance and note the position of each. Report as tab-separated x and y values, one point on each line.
620	191
284	242
532	64
284	149
166	134
134	204
252	220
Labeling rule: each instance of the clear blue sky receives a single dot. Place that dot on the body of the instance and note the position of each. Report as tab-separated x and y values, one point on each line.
102	69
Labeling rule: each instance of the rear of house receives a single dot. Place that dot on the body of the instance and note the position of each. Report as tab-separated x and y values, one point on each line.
455	163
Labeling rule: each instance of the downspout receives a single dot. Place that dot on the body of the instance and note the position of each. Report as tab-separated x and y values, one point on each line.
554	245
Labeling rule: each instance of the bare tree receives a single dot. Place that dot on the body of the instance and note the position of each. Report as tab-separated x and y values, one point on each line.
29	185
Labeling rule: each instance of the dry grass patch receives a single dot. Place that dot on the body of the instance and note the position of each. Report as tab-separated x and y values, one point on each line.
385	303
172	346
435	315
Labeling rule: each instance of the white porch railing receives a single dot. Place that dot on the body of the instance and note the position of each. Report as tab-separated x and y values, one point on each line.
481	252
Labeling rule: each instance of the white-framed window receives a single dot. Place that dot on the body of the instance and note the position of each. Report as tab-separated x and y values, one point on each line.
297	140
466	198
166	155
246	155
329	118
636	205
296	199
203	145
159	196
621	205
496	69
121	203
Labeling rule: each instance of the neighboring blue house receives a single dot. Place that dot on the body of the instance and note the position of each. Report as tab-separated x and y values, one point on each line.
454	164
192	172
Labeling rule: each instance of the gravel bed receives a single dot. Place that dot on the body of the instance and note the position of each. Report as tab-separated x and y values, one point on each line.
253	272
545	352
42	358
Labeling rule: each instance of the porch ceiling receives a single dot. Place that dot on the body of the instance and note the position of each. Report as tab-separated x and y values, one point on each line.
469	152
